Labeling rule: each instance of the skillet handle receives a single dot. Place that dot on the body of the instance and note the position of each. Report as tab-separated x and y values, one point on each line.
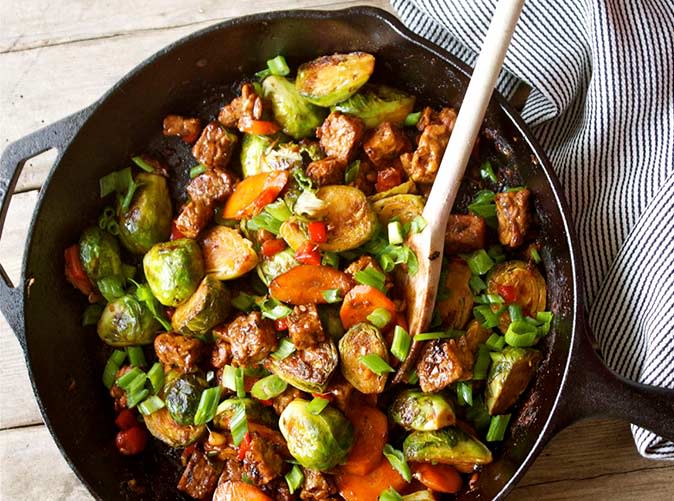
592	389
57	135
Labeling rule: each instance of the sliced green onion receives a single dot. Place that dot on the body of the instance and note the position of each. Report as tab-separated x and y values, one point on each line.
448	334
243	302
476	284
239	382
113	364
482	362
496	253
136	356
330	259
197	170
133	399
484	197
400	347
118	181
521	334
238	424
390	494
285	349
488	211
278	66
262	74
229	377
273	309
113	228
332	296
208	404
150	405
156	377
515	312
488	299
413	377
464	393
545	319
514	189
125	380
111	288
380	317
418	224
486	316
412	119
495	342
497	427
268	387
138	160
352	172
279	210
144	294
425	495
317	405
294	478
395	233
108	212
487	172
479	262
372	277
397	460
375	363
137	384
477	414
255	371
533	252
91	314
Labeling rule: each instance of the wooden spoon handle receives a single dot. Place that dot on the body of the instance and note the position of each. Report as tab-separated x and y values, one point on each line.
421	290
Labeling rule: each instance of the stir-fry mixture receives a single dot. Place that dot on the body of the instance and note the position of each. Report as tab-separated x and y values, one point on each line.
259	327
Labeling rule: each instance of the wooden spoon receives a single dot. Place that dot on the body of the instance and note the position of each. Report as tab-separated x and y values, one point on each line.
421	289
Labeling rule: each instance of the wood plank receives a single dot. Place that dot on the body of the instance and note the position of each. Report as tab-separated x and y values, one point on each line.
29	28
81	71
16	394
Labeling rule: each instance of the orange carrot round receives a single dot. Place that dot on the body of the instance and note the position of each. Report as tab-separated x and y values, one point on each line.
370	427
253	193
233	490
305	284
369	487
438	477
360	302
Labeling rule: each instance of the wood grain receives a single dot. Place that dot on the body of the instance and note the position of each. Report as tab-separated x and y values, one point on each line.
56	58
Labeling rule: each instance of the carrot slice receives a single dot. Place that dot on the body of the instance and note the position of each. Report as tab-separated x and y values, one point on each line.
370	428
369	487
75	273
234	490
360	302
438	477
253	193
305	284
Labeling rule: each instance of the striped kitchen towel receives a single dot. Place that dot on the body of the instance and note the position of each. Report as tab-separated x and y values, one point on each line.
601	104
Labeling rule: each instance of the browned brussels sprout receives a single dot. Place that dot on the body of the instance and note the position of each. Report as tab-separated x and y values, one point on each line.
298	117
362	339
415	410
227	255
173	270
457	308
349	217
331	79
403	207
99	254
510	373
206	308
182	395
316	441
375	104
162	426
255	412
448	446
126	322
307	370
148	219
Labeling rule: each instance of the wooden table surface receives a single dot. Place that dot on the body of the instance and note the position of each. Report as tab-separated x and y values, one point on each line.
57	57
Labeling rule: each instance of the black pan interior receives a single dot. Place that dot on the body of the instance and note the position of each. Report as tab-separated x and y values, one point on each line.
197	73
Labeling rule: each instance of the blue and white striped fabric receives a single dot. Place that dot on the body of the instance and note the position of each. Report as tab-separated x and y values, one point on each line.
602	107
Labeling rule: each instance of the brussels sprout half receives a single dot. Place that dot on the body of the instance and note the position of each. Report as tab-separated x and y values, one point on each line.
309	369
266	153
270	268
331	79
457	307
298	117
403	207
321	441
376	104
291	231
416	410
526	285
448	446
126	322
148	219
406	188
362	339
510	373
227	255
182	395
173	270
206	308
99	253
349	217
162	426
255	412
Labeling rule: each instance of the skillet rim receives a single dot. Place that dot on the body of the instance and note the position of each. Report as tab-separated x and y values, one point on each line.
551	424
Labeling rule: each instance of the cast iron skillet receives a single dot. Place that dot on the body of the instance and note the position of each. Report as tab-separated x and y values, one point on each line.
44	310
